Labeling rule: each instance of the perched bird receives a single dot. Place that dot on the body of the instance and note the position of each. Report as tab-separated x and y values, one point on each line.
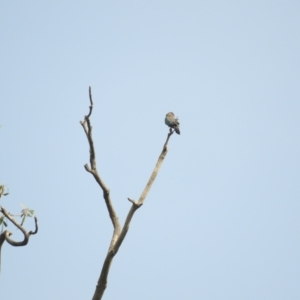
172	122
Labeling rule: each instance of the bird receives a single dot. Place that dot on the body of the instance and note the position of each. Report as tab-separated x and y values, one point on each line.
172	122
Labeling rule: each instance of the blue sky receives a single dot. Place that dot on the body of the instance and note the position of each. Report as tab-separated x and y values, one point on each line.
222	218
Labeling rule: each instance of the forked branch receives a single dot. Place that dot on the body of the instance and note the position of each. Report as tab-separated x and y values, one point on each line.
5	236
118	233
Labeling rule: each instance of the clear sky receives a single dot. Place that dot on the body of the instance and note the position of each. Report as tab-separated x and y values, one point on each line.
222	219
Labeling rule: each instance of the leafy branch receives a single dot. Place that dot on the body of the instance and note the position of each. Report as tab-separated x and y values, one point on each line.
5	235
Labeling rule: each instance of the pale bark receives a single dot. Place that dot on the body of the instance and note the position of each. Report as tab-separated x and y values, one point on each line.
118	233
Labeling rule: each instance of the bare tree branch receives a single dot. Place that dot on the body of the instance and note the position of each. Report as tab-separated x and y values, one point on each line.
93	170
144	194
118	234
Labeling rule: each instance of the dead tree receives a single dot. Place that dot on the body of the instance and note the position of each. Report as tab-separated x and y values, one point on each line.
119	232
